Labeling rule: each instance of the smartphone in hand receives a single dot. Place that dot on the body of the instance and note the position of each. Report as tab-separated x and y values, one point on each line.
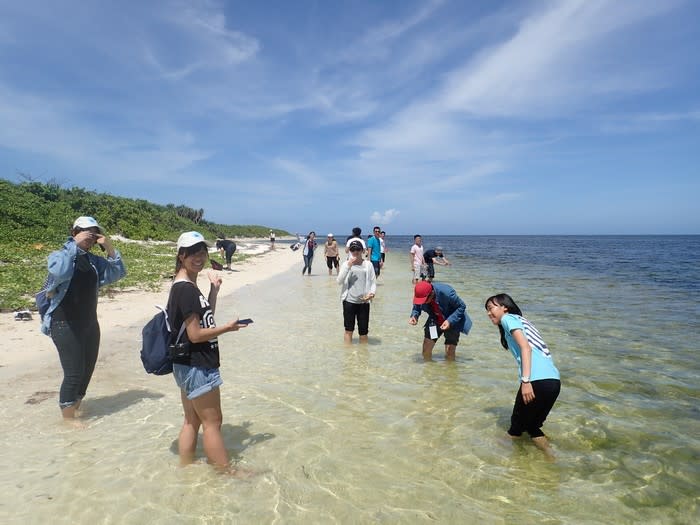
245	321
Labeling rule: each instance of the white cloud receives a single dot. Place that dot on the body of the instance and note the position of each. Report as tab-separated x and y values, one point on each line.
384	218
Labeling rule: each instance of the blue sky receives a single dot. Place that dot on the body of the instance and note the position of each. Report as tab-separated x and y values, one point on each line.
439	117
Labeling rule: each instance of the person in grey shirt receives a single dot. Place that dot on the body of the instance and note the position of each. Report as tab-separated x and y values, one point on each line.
359	284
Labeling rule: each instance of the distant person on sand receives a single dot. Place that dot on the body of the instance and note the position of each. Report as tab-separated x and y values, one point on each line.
356	236
433	257
75	274
272	239
308	252
330	250
447	315
227	248
359	285
374	250
197	372
539	378
416	258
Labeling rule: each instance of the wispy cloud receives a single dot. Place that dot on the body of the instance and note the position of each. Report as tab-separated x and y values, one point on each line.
552	65
199	39
648	122
551	62
305	178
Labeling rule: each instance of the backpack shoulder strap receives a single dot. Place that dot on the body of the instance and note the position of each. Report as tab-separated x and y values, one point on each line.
167	323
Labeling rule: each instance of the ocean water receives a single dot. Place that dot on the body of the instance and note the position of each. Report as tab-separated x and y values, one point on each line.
372	434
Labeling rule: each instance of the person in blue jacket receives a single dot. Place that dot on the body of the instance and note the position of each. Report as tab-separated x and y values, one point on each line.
75	275
447	314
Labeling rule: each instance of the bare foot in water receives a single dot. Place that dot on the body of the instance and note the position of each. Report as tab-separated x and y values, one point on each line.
74	423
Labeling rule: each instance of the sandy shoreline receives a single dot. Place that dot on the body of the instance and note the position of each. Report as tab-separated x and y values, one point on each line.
121	318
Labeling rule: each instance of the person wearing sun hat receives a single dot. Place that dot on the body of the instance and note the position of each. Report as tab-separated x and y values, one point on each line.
330	250
447	314
359	284
196	372
75	276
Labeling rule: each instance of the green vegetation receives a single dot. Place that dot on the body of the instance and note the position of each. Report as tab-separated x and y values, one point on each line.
35	219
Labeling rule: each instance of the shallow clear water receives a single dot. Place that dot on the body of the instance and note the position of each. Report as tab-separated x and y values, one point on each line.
372	434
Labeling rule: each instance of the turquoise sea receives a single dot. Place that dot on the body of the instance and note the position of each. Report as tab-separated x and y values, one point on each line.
373	434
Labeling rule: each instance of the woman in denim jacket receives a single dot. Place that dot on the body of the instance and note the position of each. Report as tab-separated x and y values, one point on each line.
75	275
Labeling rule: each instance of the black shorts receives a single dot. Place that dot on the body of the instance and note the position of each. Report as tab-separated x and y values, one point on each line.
331	262
451	335
530	418
352	311
431	270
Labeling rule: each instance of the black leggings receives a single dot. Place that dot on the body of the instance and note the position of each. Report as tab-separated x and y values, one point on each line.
78	343
530	418
229	253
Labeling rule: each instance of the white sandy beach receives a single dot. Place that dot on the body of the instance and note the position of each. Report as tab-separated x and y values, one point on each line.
121	318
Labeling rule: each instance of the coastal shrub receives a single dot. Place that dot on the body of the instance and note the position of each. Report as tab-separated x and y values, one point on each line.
36	217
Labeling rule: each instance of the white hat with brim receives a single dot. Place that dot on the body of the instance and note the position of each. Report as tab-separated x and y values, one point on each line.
87	222
188	239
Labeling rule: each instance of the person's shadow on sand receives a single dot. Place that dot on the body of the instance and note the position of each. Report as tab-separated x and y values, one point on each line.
106	405
237	438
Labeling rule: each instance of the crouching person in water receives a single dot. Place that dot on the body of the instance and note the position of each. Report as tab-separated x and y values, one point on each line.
447	314
539	378
197	372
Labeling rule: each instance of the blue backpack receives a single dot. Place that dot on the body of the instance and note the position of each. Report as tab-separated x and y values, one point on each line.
157	336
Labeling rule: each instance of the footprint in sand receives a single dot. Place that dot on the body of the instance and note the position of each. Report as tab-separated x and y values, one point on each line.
38	397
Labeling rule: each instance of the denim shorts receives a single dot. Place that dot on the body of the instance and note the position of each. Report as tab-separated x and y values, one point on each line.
196	381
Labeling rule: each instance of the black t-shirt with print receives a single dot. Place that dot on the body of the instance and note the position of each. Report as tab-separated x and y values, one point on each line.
185	300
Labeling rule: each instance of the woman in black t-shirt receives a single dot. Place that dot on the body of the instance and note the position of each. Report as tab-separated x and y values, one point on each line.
197	373
75	275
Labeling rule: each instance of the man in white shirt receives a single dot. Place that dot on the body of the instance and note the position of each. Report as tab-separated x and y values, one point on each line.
416	258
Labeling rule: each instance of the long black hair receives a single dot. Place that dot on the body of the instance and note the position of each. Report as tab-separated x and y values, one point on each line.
506	301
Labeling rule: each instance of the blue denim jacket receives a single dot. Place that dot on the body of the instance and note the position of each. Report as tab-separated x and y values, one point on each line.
61	268
452	307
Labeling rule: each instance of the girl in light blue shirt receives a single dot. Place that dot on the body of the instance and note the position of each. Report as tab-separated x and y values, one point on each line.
539	378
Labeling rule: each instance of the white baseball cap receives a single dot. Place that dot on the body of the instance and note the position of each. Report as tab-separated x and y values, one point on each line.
330	235
87	222
188	239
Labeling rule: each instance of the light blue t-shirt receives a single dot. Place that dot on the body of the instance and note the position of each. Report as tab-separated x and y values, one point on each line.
542	366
